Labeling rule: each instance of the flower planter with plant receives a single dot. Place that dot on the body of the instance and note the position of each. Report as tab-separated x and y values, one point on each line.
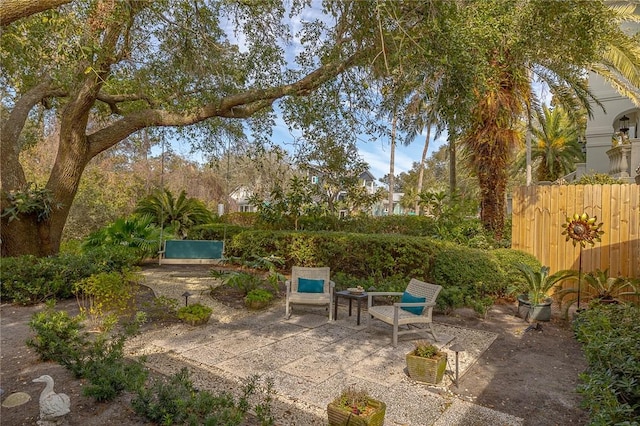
195	314
354	407
599	287
426	363
534	302
258	298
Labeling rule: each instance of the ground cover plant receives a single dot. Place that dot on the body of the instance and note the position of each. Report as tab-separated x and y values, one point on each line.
610	335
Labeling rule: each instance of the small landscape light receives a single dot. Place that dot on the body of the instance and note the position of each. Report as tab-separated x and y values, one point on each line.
186	295
457	348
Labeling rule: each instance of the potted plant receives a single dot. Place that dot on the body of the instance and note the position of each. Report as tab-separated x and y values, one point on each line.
195	314
599	287
534	302
426	363
354	407
258	298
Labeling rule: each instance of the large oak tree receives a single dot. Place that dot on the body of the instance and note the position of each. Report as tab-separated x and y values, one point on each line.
104	70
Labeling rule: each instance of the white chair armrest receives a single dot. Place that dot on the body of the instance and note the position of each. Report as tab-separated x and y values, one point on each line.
380	293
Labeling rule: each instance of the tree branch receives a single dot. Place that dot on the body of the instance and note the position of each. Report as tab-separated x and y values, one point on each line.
241	105
12	10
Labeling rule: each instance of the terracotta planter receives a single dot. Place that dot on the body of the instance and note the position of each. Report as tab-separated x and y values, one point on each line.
428	370
342	416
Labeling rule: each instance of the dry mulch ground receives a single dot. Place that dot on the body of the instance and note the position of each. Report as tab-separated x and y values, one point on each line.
529	374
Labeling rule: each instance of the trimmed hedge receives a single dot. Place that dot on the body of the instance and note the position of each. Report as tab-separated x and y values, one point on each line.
29	280
214	231
378	259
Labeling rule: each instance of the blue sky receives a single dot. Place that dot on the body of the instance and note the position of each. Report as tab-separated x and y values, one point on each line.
376	153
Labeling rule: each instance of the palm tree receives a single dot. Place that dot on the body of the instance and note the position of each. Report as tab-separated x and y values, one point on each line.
178	213
419	114
556	147
619	63
490	140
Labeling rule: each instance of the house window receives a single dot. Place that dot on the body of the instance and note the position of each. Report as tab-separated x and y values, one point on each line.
314	179
245	208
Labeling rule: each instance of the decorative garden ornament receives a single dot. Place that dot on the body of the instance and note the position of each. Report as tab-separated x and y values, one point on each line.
52	405
582	229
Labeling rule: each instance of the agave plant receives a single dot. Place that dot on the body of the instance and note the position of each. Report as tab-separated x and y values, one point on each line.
599	286
538	283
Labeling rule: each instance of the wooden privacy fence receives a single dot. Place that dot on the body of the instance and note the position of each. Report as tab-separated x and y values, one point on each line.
538	213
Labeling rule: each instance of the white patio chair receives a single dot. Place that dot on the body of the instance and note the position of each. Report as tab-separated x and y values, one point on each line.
415	307
309	286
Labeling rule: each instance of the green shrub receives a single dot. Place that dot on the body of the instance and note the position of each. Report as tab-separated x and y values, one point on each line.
258	295
214	231
244	219
99	360
357	255
176	401
194	312
104	293
610	335
107	371
29	280
450	298
466	268
511	276
240	280
597	179
58	336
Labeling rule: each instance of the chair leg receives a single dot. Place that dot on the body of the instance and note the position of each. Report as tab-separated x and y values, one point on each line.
433	333
395	335
396	317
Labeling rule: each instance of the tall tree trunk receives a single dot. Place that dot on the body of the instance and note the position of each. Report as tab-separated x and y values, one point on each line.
392	162
421	171
452	165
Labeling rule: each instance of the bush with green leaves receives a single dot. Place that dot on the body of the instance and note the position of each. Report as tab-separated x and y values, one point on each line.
175	400
58	336
610	335
29	280
240	280
375	260
258	295
508	259
466	268
99	358
105	293
194	312
214	231
597	179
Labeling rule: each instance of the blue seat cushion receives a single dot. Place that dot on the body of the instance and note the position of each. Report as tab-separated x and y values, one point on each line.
410	298
308	285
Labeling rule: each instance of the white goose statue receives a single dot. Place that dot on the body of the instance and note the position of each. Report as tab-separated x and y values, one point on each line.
52	405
